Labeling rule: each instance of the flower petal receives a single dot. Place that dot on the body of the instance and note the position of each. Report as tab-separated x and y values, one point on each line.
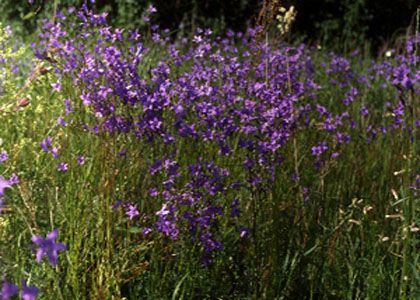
37	239
52	235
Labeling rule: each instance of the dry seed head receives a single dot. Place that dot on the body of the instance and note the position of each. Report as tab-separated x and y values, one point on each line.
394	193
409	156
414	228
396	173
366	209
43	70
267	15
285	19
355	222
394	217
23	102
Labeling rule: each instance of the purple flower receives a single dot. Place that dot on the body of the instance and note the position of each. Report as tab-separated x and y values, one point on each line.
29	292
364	111
3	185
61	121
131	211
3	156
320	149
210	244
147	231
56	86
168	228
117	204
295	177
163	211
48	246
234	208
81	160
8	290
153	192
54	152
123	152
151	9
63	167
46	143
14	179
67	104
243	232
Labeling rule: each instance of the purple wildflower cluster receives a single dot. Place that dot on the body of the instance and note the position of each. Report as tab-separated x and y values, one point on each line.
228	103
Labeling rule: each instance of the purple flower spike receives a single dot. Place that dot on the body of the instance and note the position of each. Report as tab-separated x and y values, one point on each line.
29	292
48	246
8	290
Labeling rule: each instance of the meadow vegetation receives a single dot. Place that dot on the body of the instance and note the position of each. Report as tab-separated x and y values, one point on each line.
138	166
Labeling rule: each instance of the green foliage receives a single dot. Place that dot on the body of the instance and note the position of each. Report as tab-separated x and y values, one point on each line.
347	31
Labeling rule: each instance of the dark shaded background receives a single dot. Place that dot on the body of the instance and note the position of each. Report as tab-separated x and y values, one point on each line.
339	24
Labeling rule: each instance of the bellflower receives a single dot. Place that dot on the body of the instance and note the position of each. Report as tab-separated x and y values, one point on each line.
3	185
3	156
63	167
8	290
28	292
48	246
